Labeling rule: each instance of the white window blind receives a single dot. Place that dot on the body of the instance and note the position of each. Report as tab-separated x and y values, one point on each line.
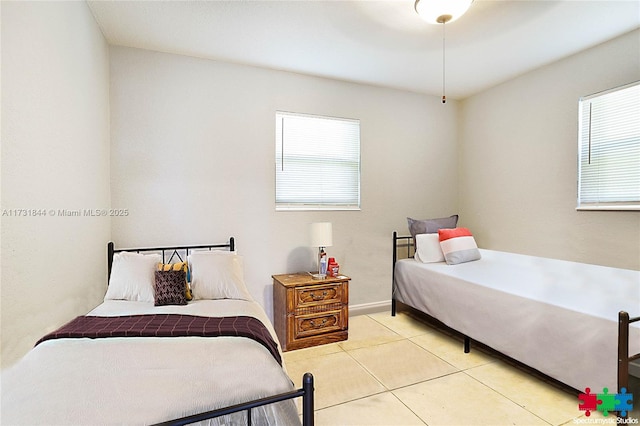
317	162
609	150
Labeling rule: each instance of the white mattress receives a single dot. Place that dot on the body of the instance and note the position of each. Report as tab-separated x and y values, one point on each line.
146	380
556	316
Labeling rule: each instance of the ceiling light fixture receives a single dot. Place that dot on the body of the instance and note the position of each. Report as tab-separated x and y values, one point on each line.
442	12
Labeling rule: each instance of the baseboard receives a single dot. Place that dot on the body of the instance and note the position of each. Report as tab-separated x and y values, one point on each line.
370	308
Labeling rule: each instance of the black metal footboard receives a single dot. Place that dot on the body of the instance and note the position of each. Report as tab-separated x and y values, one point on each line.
305	392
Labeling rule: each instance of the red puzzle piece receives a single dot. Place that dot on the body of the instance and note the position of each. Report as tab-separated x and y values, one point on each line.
589	402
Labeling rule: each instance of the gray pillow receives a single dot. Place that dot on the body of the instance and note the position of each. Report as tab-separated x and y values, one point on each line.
431	226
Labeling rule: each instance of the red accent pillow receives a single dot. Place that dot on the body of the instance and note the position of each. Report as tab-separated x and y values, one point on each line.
458	245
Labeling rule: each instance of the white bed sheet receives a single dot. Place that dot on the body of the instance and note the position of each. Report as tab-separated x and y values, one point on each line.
146	380
558	317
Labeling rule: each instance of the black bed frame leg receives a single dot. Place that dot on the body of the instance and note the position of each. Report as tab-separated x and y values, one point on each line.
307	400
393	307
623	353
467	344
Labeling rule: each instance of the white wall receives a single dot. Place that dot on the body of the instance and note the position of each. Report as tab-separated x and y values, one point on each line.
55	155
193	145
518	162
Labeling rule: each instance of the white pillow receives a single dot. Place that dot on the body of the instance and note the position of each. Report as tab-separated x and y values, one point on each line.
428	248
217	275
133	277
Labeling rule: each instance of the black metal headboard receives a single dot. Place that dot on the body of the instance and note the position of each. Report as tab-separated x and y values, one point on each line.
170	251
399	242
402	242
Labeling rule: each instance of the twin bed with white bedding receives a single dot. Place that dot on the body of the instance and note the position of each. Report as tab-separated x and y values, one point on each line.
156	372
555	316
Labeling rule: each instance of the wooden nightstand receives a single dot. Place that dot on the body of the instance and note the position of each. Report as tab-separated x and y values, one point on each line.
308	312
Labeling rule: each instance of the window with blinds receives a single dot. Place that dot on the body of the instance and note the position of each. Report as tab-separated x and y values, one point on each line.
609	150
317	162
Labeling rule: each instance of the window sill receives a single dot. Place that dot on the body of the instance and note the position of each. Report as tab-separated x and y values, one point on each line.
605	207
315	208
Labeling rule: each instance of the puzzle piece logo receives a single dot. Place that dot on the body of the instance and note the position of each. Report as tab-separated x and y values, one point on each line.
624	402
605	402
589	402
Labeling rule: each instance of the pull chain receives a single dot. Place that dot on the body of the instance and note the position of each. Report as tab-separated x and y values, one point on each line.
444	98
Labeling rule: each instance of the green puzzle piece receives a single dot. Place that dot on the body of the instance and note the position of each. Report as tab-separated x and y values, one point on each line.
607	402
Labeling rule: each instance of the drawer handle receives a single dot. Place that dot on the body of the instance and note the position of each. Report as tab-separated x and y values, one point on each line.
317	297
322	323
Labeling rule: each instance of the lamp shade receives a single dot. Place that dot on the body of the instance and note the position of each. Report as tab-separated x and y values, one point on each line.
441	11
321	234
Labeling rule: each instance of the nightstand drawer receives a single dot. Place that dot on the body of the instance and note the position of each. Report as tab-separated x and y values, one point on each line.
318	295
319	323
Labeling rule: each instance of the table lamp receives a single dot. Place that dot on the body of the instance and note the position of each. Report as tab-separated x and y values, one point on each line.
321	237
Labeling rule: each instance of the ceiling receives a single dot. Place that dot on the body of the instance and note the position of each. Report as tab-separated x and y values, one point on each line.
383	43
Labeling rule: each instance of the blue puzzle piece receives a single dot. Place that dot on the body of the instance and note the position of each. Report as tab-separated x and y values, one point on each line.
624	402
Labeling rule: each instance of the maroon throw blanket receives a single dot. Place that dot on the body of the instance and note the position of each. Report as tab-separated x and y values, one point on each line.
166	325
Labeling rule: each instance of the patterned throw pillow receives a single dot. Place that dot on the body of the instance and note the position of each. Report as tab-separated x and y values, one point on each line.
170	288
180	266
458	245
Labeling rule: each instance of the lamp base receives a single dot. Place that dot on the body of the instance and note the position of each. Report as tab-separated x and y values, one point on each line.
319	276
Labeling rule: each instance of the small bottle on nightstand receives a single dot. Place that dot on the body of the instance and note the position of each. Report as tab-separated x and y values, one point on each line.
323	263
332	267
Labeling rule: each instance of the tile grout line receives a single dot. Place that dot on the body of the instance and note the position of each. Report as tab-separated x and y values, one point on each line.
466	371
391	391
458	370
386	389
506	397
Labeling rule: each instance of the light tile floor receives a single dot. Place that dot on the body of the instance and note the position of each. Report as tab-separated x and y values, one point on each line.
401	371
